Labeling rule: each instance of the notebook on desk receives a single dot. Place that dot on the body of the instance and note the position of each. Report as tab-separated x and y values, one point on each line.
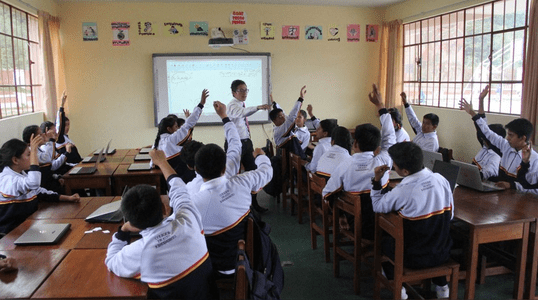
108	213
449	171
470	177
94	158
87	170
430	158
144	150
43	234
139	167
142	157
108	151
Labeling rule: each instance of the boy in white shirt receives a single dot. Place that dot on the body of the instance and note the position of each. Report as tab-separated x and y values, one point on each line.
340	151
426	136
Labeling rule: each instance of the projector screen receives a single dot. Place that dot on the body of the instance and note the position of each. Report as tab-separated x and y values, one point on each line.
179	79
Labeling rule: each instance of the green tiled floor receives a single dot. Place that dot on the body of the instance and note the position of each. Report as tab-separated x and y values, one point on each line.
309	277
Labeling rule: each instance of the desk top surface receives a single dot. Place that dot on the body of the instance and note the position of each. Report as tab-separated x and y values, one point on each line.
121	170
69	210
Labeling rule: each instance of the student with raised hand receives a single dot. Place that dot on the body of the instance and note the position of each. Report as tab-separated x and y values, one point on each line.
172	256
315	121
401	133
224	202
340	151
323	133
424	200
49	148
527	174
171	138
284	125
20	191
64	145
233	153
426	136
354	174
518	133
301	131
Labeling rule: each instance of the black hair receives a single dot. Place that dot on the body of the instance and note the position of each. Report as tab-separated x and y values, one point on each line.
396	116
303	112
368	137
46	125
521	127
498	129
236	83
188	152
433	118
341	137
10	149
163	128
142	207
180	122
327	125
407	155
274	113
210	161
28	131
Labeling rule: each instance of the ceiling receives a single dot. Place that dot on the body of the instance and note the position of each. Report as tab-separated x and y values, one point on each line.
356	3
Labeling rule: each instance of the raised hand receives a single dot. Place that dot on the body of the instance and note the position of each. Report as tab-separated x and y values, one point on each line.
158	157
404	98
187	113
380	171
220	109
303	91
375	97
309	110
205	94
64	98
467	107
526	153
481	98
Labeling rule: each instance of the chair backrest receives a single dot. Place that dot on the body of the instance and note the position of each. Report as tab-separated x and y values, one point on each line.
285	161
241	280
316	183
270	148
392	223
250	240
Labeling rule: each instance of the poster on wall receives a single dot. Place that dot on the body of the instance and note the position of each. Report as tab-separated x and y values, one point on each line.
267	31
353	32
146	28
313	32
120	34
173	29
89	31
238	18
198	28
290	32
372	32
334	33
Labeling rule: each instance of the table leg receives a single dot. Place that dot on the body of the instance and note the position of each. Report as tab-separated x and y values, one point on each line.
530	291
472	264
519	281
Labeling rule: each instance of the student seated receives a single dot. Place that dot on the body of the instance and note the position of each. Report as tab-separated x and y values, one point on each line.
315	121
424	200
233	153
171	257
340	151
527	177
20	191
171	138
518	133
224	202
426	136
323	133
301	131
400	132
64	145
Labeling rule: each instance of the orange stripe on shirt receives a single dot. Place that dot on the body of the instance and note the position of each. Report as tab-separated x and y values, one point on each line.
323	173
15	201
509	174
477	164
173	156
231	226
180	275
439	212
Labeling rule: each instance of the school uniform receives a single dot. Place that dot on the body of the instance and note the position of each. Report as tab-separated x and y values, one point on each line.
331	159
233	157
224	204
45	156
487	162
527	175
283	132
238	113
19	195
171	257
63	140
323	145
424	200
303	135
354	174
402	135
426	141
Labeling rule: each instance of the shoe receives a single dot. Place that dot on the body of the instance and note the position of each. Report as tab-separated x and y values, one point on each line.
442	291
403	296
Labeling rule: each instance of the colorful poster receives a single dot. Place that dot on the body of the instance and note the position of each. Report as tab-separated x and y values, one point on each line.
238	18
89	31
146	28
353	32
372	32
120	34
267	31
198	28
334	33
173	29
290	32
313	32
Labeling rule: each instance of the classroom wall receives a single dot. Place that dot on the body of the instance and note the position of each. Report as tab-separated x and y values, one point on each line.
111	90
456	130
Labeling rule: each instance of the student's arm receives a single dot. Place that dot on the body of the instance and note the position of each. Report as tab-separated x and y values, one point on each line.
315	121
233	154
236	110
335	182
123	259
527	174
388	136
411	117
316	155
60	121
179	137
390	201
257	179
490	168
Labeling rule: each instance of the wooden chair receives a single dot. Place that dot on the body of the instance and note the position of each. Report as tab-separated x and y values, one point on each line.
284	176
362	248
315	187
392	224
296	167
241	280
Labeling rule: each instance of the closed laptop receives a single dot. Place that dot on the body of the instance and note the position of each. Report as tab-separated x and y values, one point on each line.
43	234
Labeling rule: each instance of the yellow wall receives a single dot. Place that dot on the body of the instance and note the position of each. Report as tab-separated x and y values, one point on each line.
111	90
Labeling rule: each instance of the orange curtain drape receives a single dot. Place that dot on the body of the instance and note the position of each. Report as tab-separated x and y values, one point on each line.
54	77
529	100
390	62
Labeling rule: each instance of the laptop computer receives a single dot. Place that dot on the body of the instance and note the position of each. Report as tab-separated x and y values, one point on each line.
93	158
43	234
449	171
470	177
430	158
310	125
142	157
87	170
108	213
144	150
139	167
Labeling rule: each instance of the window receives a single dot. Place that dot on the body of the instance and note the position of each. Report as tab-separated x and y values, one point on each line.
455	55
19	81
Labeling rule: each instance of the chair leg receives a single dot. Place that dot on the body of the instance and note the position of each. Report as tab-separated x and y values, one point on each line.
336	233
357	255
454	283
326	232
299	202
313	233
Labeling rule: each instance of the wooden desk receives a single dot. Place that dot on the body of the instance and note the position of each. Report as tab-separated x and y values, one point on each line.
83	274
113	158
127	160
98	239
34	266
494	217
122	178
101	179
